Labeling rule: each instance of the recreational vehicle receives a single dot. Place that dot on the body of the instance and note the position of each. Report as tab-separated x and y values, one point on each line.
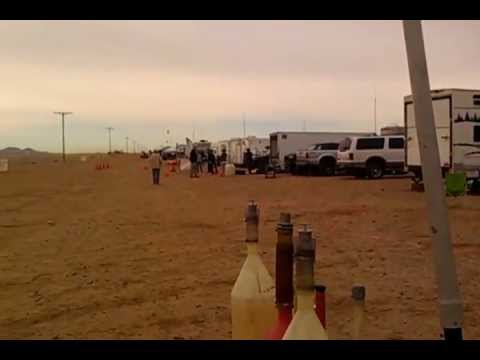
457	122
237	147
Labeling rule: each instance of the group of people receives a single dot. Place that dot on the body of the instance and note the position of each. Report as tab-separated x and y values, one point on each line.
199	158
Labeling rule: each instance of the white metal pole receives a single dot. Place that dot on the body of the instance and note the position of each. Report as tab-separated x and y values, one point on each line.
451	305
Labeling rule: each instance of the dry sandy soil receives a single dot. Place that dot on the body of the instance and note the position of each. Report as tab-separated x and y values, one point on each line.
106	255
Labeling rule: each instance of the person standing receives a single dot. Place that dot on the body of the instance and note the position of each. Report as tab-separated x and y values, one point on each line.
155	163
193	163
214	161
223	161
248	157
211	161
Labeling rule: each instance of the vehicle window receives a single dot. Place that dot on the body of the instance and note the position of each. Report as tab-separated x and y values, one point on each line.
476	133
284	136
396	143
476	99
330	146
312	147
345	144
373	143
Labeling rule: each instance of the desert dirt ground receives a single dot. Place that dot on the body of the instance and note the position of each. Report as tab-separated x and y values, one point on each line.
89	254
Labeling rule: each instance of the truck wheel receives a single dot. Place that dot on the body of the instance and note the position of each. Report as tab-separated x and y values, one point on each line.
327	167
375	169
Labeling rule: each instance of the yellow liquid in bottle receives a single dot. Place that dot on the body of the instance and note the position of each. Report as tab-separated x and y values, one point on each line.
358	316
305	324
253	299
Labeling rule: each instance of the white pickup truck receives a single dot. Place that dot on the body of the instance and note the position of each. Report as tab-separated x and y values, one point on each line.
372	156
318	157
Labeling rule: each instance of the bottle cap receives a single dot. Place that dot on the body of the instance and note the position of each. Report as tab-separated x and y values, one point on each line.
305	244
252	213
358	292
285	218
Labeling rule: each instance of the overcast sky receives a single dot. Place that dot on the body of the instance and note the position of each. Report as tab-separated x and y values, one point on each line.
144	77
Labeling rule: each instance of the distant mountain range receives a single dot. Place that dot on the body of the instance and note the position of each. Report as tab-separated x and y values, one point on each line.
11	150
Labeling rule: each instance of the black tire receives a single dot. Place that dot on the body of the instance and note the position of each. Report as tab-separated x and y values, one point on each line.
375	169
327	166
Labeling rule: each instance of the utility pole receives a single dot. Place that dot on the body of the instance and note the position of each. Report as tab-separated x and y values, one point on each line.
244	126
109	139
126	142
451	303
375	111
304	125
134	145
63	113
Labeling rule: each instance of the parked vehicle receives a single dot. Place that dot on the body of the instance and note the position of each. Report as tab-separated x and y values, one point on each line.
320	158
169	154
284	143
372	156
457	122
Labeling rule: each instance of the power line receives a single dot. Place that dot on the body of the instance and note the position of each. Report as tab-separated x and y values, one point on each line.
63	113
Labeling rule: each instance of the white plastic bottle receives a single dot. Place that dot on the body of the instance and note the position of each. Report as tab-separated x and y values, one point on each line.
253	295
305	324
358	296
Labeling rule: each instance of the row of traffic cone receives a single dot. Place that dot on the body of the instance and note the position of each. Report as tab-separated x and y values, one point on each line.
102	165
300	313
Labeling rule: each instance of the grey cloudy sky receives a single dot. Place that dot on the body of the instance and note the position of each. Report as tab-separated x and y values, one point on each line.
143	77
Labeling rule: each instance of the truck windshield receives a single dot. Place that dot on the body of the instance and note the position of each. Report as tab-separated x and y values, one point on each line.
345	144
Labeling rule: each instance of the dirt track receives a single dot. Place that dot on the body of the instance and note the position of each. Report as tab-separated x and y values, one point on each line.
122	259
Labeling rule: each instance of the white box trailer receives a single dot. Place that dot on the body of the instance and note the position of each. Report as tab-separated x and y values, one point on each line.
236	148
457	122
258	146
283	143
235	151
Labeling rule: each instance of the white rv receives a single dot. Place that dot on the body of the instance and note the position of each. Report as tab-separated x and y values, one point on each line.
457	121
284	143
236	148
258	146
219	146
